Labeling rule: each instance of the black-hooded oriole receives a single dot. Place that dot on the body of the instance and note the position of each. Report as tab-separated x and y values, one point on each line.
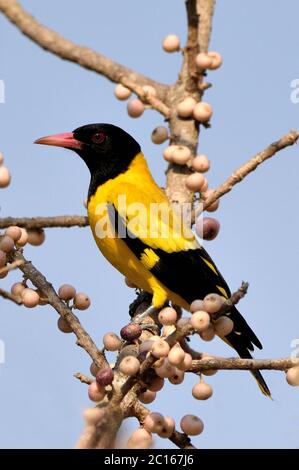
145	246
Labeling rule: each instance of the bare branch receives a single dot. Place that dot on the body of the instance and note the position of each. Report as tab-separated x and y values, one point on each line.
243	364
11	267
45	222
83	378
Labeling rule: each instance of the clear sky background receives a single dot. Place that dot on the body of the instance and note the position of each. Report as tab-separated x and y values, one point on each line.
41	403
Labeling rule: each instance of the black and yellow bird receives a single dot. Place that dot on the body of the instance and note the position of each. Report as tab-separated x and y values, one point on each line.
169	263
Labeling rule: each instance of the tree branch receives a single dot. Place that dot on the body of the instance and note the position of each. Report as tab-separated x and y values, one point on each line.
8	296
243	364
45	222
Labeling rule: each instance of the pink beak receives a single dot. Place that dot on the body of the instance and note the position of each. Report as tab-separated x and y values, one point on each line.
65	140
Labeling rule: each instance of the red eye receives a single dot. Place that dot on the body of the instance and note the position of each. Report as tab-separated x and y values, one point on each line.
98	138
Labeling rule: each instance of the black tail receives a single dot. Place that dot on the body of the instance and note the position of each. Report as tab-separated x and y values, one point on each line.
243	340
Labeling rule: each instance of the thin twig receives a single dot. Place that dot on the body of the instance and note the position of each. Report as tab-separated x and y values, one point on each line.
83	378
8	296
243	364
45	222
11	267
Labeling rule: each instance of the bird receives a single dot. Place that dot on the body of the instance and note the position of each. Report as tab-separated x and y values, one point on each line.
143	243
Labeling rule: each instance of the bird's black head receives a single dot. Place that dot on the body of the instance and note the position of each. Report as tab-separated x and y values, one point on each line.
106	149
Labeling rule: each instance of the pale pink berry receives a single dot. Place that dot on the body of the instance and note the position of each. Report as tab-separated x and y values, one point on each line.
36	237
207	228
168	330
176	355
13	232
129	365
5	177
165	370
82	301
149	90
129	283
160	348
17	288
186	364
2	259
66	292
196	182
200	321
23	239
177	377
202	391
168	153
159	135
146	345
6	244
135	108
216	60
140	439
30	298
214	206
185	107
292	376
131	332
167	428
202	111
167	316
147	397
208	334
196	305
181	155
111	341
223	326
171	43
212	303
156	384
64	326
191	425
203	61
154	422
121	92
96	393
105	377
94	369
201	163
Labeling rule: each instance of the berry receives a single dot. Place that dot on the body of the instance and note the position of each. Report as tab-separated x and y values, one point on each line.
147	397
121	92
202	391
6	244
5	177
176	355
181	155
168	153
185	107
2	259
13	232
216	60
131	332
156	384
292	376
66	292
129	365
95	392
212	303
63	326
159	135
201	163
167	316
165	370
203	61
191	425
200	321
160	348
17	288
171	43
111	342
223	326
167	428
154	422
208	334
196	305
94	369
135	108
186	364
23	239
81	301
196	182
207	228
30	298
36	237
202	111
105	377
177	377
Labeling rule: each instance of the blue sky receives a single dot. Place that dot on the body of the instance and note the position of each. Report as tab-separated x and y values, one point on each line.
40	402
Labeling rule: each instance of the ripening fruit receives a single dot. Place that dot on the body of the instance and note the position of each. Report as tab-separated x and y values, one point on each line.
181	154
23	239
292	376
17	288
223	326
196	182
201	163
191	425
13	232
149	90
171	43
165	370
131	332
135	108
167	316
207	228
64	326
168	153
214	206
95	392
208	334
5	177
105	377
216	60
2	259
177	377
147	397
212	303
176	355
160	348
66	292
203	61
200	321
81	301
185	107
36	237
6	244
196	305
111	342
29	298
122	92
202	391
94	369
202	111
167	428
129	365
1	158
187	362
154	422
156	384
159	135
140	439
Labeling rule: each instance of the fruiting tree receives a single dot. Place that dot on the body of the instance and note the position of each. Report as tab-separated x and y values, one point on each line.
157	350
